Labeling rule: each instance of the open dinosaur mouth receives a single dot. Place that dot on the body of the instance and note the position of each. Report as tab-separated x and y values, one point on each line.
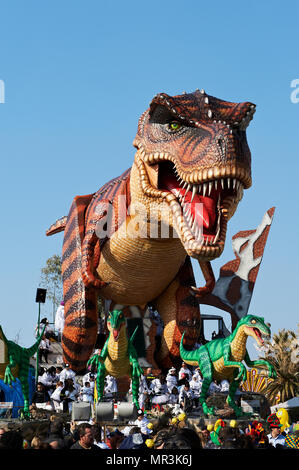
259	337
116	334
201	202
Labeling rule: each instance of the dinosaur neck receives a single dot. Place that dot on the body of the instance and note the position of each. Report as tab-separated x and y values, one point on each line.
118	349
157	212
238	344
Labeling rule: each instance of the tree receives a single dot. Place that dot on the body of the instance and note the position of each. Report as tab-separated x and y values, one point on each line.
283	353
51	279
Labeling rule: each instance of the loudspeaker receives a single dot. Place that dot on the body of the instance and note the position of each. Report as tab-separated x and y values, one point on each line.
127	411
104	411
41	296
81	411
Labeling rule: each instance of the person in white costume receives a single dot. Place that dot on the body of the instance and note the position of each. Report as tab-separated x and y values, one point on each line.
59	320
171	379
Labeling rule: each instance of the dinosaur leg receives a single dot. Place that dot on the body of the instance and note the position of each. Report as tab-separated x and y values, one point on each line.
180	312
207	373
135	389
23	376
234	384
101	381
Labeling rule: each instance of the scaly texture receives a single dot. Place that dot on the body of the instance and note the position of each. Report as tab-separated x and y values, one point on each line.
190	168
19	358
223	358
118	356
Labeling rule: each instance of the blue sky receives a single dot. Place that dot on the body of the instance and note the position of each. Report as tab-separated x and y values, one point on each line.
77	77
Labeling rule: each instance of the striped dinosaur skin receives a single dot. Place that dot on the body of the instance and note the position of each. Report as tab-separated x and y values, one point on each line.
118	356
223	358
191	151
19	361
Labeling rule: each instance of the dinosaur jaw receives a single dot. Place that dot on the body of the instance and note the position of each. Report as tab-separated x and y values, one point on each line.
257	334
201	203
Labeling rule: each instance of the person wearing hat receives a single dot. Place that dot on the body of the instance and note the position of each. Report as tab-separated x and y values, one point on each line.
275	438
171	379
67	373
142	422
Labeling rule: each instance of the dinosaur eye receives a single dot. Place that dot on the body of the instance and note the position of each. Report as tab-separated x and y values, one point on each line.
174	126
253	321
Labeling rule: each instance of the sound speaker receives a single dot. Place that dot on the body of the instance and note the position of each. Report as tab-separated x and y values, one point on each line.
41	296
104	411
127	411
81	411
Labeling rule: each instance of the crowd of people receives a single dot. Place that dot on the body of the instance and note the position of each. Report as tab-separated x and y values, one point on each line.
175	395
165	433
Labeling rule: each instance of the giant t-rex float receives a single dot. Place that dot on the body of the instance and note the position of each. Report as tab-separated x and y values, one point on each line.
190	168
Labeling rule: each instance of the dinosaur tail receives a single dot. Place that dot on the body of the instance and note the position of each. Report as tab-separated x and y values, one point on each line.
187	356
57	227
34	347
80	302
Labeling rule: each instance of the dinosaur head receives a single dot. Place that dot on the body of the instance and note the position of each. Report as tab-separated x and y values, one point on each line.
256	327
193	154
115	322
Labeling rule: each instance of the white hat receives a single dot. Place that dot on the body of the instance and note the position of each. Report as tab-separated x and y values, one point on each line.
172	369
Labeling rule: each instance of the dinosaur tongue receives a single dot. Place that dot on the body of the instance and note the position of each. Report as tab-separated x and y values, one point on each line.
203	208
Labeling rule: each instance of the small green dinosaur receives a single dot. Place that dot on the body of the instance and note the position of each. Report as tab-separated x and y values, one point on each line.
19	358
118	356
222	359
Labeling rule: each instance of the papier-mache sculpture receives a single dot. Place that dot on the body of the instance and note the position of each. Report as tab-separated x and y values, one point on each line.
131	241
223	359
118	357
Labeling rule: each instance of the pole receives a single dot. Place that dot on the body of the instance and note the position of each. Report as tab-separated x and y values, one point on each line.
38	322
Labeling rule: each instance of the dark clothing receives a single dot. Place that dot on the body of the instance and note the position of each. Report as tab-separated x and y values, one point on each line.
40	397
79	447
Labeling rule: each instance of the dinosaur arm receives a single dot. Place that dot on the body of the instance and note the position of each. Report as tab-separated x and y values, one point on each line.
97	359
260	363
229	363
8	376
208	274
133	358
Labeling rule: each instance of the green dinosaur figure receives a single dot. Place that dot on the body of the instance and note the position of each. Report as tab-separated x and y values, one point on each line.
222	359
19	359
118	356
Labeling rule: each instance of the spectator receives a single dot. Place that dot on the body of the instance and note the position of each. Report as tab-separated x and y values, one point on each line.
142	423
224	385
149	376
97	435
214	387
87	393
171	379
67	373
186	398
59	320
275	438
11	440
195	387
68	394
44	349
56	437
41	398
110	388
55	397
184	373
85	438
135	440
115	439
159	391
143	392
49	379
